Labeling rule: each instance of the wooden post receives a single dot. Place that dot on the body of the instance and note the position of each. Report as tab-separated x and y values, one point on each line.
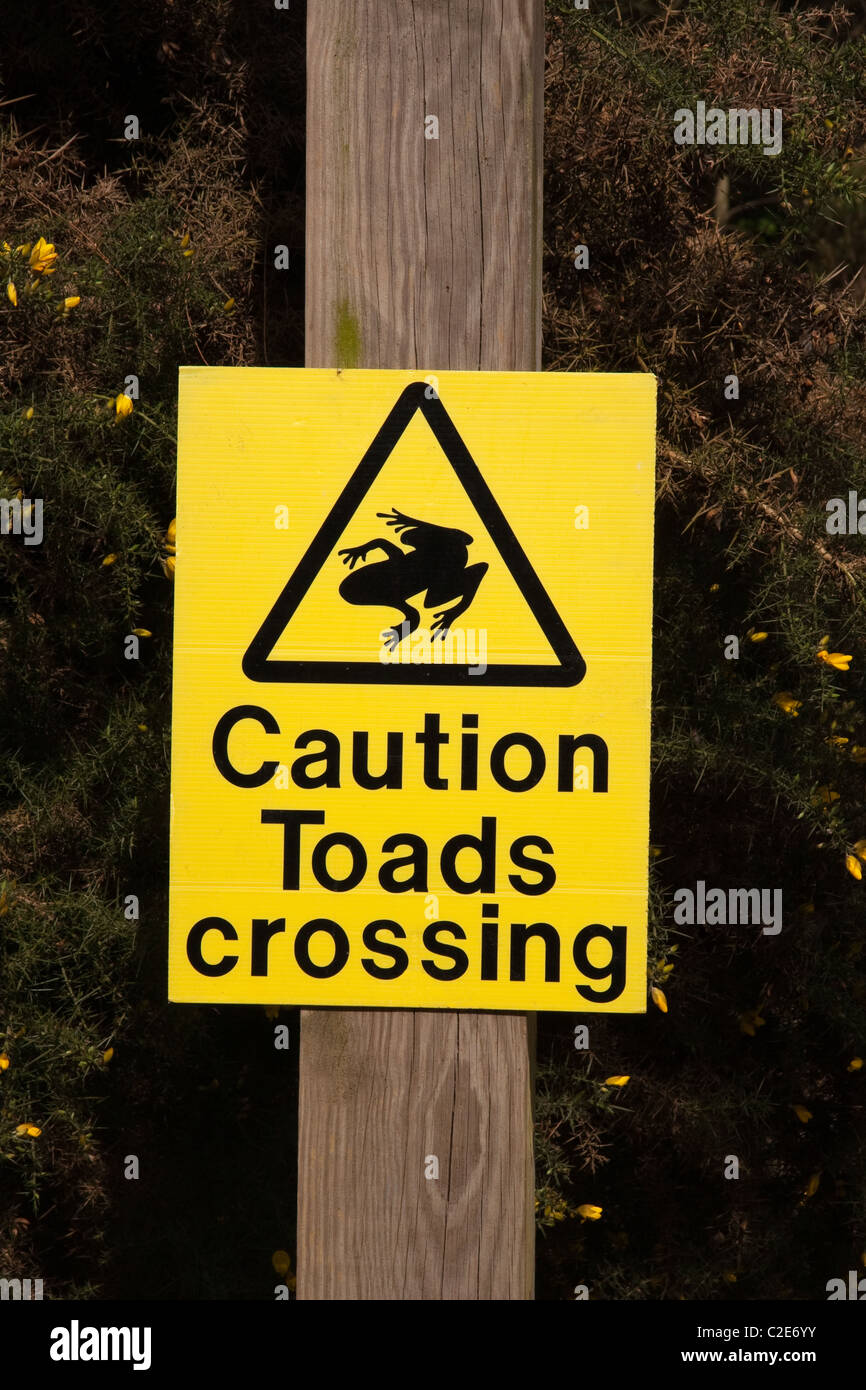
424	253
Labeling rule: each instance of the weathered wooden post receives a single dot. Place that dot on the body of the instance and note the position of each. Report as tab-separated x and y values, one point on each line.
424	169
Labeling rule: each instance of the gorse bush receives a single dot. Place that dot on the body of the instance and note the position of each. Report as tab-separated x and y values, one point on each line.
128	259
712	262
117	278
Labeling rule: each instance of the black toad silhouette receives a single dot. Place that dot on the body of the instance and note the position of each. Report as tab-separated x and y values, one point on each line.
436	561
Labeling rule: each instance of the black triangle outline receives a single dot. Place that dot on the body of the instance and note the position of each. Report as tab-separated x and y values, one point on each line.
257	664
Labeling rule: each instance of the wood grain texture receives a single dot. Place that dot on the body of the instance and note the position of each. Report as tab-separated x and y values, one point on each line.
420	254
424	253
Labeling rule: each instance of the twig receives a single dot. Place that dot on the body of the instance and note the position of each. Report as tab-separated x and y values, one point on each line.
796	534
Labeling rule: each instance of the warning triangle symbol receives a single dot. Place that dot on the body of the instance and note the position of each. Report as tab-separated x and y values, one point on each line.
259	663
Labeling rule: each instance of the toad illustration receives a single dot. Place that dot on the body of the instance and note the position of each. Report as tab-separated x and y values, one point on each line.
436	561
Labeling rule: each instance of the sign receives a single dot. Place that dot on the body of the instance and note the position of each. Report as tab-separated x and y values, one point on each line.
410	739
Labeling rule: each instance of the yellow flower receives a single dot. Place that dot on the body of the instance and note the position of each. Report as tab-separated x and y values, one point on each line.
123	404
168	567
714	588
812	1185
141	632
108	1054
803	1115
837	659
750	1021
72	301
729	1276
23	249
171	533
589	1212
786	702
836	741
659	999
281	1262
12	294
42	257
109	560
852	864
229	305
616	1081
142	727
33	1131
4	1062
757	636
28	414
860	848
824	796
854	1065
184	241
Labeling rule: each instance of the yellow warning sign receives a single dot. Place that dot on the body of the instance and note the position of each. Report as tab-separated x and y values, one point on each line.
410	738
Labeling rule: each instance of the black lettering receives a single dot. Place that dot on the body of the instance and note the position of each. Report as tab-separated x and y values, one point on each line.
538	762
320	862
615	968
567	749
546	872
490	941
432	740
393	774
263	930
221	751
520	934
484	846
330	756
417	858
444	948
302	948
384	948
292	821
194	942
469	755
